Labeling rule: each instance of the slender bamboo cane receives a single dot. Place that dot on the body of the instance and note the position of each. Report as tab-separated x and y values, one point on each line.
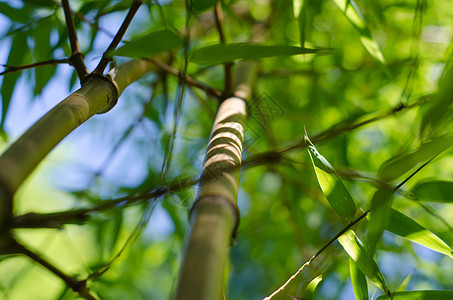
97	94
214	215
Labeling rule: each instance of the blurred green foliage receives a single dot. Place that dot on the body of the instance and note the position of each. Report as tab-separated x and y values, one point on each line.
398	83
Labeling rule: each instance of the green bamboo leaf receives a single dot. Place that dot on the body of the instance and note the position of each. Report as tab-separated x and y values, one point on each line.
151	44
297	7
14	14
402	163
354	16
358	281
311	288
378	217
219	53
199	6
333	188
363	259
434	191
300	12
402	225
419	295
16	57
438	114
403	284
43	51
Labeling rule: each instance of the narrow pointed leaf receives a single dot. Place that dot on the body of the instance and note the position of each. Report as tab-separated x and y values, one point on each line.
419	295
43	51
219	53
333	188
400	164
300	12
311	288
434	191
402	225
403	284
151	44
202	5
363	259
354	16
358	281
438	114
297	7
14	14
379	216
16	57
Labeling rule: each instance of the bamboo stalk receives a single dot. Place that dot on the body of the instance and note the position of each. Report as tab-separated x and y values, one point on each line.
96	95
214	215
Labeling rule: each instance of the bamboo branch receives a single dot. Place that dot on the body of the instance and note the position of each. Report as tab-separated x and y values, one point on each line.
76	59
189	80
11	69
118	37
78	286
79	216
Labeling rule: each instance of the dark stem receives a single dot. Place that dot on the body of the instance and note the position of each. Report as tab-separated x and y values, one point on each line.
11	69
118	37
189	80
76	59
76	285
228	67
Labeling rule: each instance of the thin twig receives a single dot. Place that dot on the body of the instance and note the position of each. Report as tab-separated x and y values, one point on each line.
76	59
118	37
330	242
79	216
189	80
228	67
77	286
11	69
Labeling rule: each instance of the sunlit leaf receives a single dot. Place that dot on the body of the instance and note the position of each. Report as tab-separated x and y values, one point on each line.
297	6
333	188
150	44
400	164
419	295
311	288
403	284
202	5
434	191
438	114
379	216
407	228
220	53
358	281
363	259
353	14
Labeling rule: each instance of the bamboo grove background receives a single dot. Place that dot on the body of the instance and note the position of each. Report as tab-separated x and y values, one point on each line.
348	126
